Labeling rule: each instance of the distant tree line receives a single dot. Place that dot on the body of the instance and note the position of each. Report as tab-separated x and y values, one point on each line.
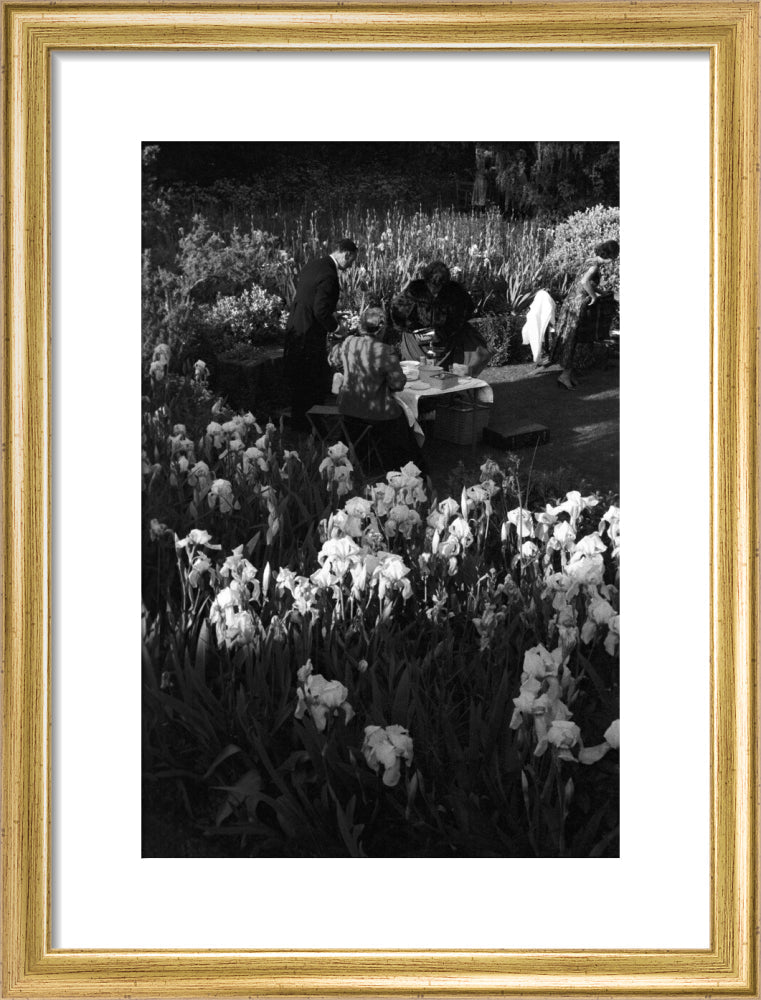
522	179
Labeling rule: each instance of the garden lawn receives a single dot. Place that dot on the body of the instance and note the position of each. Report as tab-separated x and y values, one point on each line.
583	426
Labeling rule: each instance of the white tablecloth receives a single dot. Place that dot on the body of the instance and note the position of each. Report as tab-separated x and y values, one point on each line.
409	397
412	393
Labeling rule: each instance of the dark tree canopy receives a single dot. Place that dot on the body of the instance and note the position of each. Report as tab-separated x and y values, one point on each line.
427	174
520	178
548	178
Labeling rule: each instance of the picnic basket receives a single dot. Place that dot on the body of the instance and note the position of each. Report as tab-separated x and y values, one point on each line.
461	422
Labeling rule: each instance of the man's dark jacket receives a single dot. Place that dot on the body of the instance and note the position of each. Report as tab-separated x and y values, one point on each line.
317	291
310	321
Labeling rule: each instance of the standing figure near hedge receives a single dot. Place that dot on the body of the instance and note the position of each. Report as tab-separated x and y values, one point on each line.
582	296
435	301
311	319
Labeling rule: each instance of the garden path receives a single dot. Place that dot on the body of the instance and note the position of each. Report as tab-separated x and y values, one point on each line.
583	450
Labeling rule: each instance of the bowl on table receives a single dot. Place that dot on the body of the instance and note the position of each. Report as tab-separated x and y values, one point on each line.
430	373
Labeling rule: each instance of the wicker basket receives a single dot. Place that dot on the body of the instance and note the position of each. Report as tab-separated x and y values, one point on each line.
461	423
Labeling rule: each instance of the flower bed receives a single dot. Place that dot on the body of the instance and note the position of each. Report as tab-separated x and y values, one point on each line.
501	263
337	667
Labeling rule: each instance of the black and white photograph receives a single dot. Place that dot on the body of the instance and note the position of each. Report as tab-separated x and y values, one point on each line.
380	529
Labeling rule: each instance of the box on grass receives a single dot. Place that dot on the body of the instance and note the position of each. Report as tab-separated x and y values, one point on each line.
519	436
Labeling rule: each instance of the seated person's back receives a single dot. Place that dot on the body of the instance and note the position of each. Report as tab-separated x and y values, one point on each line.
371	373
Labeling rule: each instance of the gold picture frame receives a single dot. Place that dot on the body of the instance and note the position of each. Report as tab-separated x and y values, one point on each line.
729	32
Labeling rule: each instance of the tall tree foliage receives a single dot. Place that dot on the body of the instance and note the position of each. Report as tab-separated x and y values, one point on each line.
550	178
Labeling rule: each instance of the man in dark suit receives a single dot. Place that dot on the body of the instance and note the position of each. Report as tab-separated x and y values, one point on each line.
311	319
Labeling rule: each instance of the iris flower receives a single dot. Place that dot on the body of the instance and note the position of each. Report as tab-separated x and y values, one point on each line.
387	747
255	457
611	741
199	478
338	452
402	520
599	612
336	468
341	524
478	495
490	469
563	536
612	638
197	536
201	565
590	545
544	521
320	698
523	521
391	575
216	433
586	570
359	507
235	624
407	483
237	567
221	493
459	529
574	504
158	529
383	498
562	734
339	555
539	663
